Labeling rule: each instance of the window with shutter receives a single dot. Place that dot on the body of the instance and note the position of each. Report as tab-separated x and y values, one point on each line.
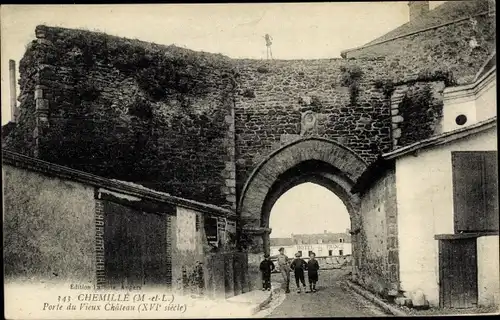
475	191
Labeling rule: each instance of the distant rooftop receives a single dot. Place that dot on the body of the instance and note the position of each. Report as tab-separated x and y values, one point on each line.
326	237
447	12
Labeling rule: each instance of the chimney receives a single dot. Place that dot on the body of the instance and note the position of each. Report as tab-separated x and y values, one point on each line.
418	8
13	95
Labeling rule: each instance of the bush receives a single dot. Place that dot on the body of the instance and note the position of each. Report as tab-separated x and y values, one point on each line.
350	77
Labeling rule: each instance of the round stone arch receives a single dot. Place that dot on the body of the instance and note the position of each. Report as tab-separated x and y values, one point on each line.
318	160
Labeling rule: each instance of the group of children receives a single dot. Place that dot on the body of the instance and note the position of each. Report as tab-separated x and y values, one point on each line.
299	267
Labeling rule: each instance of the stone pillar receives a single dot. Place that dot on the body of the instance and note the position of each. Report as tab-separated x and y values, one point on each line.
43	77
229	172
237	273
41	118
355	229
14	112
257	245
229	274
396	117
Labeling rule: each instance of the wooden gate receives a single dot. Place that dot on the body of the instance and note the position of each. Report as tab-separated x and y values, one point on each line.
225	274
135	245
458	273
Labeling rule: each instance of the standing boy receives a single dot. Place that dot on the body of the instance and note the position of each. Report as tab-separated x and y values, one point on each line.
298	266
283	263
266	267
312	271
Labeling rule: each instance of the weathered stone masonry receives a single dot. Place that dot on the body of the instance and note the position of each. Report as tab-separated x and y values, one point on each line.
445	44
196	125
158	116
105	105
283	91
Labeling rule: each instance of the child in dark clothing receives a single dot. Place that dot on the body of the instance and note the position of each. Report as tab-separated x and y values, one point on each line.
312	271
266	267
298	266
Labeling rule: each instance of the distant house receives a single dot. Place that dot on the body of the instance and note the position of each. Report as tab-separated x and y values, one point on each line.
322	244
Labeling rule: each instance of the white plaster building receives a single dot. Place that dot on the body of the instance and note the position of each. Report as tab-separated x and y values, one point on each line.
322	244
447	202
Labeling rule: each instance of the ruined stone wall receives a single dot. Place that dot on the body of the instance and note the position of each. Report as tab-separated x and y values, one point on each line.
19	136
459	48
273	96
377	242
195	124
124	109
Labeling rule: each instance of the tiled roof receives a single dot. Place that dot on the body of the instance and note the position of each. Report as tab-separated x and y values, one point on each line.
447	12
275	242
327	237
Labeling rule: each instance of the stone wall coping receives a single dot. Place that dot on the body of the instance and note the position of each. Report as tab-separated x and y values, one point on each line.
345	52
21	161
443	138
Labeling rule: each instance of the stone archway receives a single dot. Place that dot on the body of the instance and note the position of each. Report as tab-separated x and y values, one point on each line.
316	160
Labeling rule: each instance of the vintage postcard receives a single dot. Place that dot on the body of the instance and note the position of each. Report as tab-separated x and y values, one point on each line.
165	161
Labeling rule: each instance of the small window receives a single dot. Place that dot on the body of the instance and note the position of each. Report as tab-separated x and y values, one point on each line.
341	240
310	251
341	252
300	252
461	120
198	222
330	252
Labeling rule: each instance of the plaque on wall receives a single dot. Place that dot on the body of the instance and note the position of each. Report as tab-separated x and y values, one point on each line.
308	123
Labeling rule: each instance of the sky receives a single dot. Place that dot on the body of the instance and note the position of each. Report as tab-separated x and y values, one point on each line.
299	30
308	208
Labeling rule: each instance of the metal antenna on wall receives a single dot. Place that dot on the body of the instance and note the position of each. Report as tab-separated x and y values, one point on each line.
269	42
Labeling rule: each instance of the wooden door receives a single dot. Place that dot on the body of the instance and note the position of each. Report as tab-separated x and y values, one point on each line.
135	244
458	273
